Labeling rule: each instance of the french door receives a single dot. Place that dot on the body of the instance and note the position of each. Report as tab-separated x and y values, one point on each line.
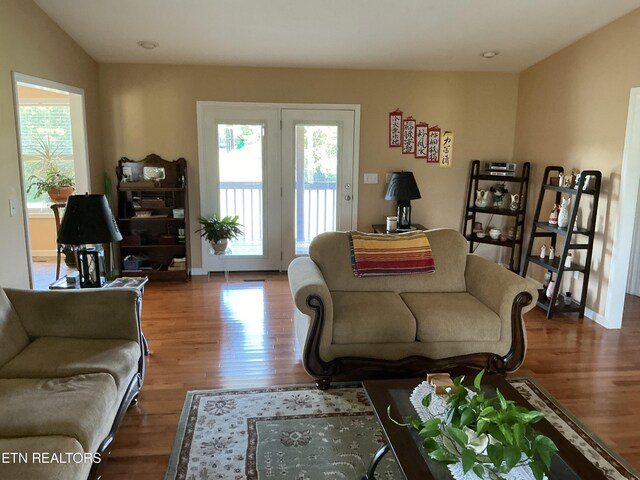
287	171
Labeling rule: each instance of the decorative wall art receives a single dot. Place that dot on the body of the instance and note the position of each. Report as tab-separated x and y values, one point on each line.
422	134
433	154
409	135
395	128
421	140
446	149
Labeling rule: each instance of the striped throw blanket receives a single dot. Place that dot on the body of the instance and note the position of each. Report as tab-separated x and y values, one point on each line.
375	254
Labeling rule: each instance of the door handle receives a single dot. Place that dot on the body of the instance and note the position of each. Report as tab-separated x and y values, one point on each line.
347	197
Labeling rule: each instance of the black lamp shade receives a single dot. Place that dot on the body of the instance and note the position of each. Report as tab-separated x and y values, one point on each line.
88	219
402	187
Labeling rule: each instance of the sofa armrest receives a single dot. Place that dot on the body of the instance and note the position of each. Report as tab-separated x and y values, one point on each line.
495	286
313	299
92	313
305	281
509	295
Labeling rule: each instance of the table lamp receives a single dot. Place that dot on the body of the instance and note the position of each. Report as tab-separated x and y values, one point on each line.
403	188
88	220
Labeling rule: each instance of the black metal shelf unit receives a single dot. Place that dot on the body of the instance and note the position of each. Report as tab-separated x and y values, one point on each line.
583	239
521	183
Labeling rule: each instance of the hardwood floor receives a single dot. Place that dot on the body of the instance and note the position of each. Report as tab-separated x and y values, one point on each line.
209	334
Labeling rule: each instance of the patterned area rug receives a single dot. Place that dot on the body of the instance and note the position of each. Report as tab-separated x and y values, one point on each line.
301	433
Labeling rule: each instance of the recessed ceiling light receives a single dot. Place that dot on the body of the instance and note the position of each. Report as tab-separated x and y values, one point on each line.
148	44
490	54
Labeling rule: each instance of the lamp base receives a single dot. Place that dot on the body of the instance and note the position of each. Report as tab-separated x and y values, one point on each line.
91	267
404	216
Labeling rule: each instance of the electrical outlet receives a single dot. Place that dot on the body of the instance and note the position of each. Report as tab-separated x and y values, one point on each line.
12	207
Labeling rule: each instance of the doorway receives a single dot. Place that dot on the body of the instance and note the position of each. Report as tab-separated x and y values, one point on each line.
286	170
629	195
52	150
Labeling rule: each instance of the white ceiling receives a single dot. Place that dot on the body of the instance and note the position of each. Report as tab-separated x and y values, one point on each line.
361	34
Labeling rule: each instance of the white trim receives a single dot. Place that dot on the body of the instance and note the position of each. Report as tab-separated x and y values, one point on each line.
44	253
41	213
42	82
83	174
197	272
625	220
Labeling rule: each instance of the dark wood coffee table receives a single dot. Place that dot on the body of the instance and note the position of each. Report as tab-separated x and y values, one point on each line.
404	443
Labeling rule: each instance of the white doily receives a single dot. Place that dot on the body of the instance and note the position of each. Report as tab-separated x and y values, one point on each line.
437	409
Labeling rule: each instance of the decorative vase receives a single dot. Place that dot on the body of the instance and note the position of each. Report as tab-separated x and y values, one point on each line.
484	198
553	216
550	290
515	202
220	246
563	215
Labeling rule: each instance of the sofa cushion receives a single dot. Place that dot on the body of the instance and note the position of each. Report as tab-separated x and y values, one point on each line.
371	317
330	251
13	337
51	357
452	317
81	407
38	447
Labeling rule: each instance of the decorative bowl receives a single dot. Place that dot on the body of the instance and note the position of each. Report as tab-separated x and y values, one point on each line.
480	234
494	233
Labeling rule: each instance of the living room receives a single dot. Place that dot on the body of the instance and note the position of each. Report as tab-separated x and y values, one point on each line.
569	107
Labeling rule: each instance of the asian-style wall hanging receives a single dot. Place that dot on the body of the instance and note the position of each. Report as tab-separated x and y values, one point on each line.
409	135
395	128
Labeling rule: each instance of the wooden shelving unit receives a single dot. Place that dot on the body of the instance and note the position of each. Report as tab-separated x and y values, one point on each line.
155	239
573	239
521	185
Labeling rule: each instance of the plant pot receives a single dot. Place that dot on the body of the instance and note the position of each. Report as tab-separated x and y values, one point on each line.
60	195
220	246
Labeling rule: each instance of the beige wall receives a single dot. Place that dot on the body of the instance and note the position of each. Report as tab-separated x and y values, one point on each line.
42	229
572	111
31	43
152	108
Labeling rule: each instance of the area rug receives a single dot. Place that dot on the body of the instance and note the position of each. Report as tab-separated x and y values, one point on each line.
299	432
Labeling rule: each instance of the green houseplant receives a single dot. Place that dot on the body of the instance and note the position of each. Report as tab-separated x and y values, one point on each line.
489	435
218	231
51	178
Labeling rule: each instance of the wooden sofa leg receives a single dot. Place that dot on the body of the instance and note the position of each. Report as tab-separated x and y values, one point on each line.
323	383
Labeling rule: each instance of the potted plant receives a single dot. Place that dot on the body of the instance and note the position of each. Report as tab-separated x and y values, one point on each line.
51	178
482	433
218	231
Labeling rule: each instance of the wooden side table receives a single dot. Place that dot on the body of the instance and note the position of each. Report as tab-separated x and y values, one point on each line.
382	228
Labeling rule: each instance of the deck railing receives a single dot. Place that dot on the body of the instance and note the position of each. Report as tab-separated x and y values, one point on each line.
315	205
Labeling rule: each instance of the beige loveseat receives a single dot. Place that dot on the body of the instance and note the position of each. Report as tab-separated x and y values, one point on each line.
468	313
70	365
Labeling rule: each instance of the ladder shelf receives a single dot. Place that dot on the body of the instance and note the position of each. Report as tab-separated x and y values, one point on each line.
543	229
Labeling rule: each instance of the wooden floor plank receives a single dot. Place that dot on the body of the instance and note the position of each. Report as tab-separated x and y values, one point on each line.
208	334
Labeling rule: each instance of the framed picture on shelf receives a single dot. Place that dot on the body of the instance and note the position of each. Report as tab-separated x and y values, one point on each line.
422	140
409	135
395	128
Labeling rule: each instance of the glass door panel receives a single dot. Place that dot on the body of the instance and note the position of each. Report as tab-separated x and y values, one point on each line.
240	152
316	173
318	191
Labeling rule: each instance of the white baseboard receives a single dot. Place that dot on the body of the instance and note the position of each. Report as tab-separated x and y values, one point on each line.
199	271
44	253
